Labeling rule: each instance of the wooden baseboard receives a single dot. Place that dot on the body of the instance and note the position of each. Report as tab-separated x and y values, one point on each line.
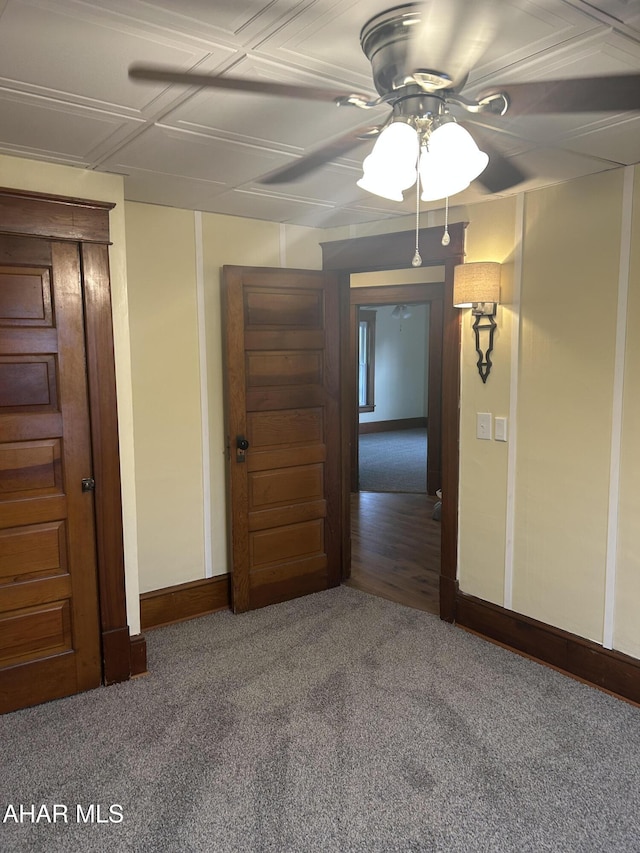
123	656
587	661
389	426
184	601
116	655
448	589
138	655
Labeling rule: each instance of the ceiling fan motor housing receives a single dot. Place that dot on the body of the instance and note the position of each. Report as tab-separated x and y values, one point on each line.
386	40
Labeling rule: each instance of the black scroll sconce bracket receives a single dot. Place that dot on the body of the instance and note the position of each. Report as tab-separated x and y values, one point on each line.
484	325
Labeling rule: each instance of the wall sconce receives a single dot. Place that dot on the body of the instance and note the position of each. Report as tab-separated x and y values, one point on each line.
477	286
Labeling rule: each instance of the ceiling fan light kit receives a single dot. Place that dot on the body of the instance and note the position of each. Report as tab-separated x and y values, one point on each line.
401	312
445	154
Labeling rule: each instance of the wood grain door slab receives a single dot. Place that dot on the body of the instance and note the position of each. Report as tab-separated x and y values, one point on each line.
282	397
49	621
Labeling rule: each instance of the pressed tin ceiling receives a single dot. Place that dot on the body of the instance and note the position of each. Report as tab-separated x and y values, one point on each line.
65	97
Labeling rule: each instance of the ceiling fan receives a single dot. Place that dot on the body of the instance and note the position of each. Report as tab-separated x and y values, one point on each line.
421	55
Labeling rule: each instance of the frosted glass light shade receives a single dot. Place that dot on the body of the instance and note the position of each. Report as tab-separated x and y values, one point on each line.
387	182
440	179
391	166
451	162
399	139
478	282
374	180
452	143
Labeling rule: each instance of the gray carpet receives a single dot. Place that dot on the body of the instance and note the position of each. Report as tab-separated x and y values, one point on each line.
338	722
394	461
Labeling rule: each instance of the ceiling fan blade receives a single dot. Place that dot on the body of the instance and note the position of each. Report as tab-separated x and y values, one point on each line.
501	173
155	73
314	159
613	93
451	36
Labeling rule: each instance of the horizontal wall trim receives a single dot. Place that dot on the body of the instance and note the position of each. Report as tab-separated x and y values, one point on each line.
389	251
184	601
583	659
54	216
389	426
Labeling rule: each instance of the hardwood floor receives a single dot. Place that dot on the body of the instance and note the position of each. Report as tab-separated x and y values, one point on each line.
395	548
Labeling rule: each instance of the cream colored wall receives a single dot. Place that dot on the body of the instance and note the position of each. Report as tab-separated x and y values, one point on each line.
175	258
627	590
557	467
63	180
569	284
161	267
483	464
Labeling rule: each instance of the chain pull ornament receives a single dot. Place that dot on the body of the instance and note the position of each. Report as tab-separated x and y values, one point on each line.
416	261
446	239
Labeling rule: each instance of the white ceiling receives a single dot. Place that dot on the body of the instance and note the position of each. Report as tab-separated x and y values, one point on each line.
65	96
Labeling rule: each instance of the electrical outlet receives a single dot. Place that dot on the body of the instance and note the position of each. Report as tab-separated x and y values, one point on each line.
483	425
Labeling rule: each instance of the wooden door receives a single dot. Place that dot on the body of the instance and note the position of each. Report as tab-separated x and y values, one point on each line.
49	621
282	397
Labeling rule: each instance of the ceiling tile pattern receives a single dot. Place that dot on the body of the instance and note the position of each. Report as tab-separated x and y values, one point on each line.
65	96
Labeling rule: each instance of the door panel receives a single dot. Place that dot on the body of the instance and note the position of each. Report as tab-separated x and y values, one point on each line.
49	629
284	487
282	395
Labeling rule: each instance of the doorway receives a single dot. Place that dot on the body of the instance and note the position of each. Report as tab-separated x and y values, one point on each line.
388	252
396	338
393	374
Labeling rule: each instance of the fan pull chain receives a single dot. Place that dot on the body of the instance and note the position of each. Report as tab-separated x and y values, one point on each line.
416	261
446	239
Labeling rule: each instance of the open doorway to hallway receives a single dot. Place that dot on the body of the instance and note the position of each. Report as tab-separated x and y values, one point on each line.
395	540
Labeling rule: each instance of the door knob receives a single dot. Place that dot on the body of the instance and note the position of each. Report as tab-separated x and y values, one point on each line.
242	445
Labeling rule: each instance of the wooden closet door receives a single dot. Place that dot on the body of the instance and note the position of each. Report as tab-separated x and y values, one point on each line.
49	621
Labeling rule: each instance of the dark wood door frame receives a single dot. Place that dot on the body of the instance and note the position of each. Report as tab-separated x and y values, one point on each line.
394	251
406	294
86	223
